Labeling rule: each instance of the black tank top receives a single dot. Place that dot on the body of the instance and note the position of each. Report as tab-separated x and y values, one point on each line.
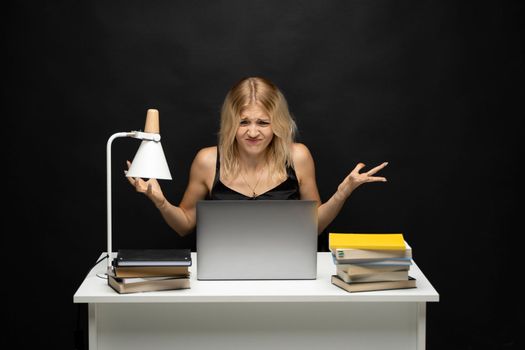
288	189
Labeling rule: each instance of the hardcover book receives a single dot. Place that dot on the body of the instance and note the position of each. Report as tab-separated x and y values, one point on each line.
372	241
135	285
349	254
374	277
150	271
393	262
360	270
153	257
371	286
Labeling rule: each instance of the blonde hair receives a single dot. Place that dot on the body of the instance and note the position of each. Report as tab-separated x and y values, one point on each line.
263	93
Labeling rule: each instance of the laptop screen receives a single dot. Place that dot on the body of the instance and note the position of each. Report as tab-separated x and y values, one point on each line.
243	239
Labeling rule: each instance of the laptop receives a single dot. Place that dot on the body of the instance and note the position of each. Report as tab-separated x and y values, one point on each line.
256	240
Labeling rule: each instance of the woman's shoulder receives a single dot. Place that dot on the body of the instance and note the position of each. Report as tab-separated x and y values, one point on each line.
206	158
300	153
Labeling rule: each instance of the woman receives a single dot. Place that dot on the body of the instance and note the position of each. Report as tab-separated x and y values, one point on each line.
256	159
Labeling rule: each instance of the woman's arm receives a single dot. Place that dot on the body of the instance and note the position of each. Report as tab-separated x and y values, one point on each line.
182	218
327	212
305	170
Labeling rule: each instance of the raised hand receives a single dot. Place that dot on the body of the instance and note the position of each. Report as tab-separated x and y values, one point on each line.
150	188
356	179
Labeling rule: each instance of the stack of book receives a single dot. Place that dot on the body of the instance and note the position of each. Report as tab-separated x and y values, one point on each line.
366	262
146	270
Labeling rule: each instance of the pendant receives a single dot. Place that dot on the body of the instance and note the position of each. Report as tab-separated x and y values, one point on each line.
254	195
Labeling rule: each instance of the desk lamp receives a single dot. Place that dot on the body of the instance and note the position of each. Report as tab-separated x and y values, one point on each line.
149	162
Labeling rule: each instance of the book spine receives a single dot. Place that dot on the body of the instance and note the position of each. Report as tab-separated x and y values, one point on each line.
349	254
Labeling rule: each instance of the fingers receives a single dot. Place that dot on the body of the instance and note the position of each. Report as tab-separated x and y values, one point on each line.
358	167
130	179
377	168
367	176
375	179
140	185
370	178
136	182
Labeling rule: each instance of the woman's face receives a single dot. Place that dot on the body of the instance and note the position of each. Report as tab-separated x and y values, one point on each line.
254	132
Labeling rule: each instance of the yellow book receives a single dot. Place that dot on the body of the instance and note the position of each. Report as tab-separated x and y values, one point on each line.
371	241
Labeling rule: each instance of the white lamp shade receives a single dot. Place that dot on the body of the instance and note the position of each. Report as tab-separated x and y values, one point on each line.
150	162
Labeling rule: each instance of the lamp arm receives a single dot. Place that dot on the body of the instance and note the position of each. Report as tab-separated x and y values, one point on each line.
145	136
108	183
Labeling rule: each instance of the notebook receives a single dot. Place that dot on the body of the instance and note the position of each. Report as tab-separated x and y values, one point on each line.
261	240
153	257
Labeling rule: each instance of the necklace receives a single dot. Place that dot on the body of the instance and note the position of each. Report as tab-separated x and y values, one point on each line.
254	187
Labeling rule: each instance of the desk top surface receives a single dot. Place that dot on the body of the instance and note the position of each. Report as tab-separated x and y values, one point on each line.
95	289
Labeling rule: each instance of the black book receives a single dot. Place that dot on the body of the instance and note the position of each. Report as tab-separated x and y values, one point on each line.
153	257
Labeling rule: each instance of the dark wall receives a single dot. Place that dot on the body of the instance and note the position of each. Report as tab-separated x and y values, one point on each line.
434	88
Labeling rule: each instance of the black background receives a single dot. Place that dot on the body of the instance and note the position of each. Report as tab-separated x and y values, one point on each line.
434	88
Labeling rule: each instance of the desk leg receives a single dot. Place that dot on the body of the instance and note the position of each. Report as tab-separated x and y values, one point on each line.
92	324
421	325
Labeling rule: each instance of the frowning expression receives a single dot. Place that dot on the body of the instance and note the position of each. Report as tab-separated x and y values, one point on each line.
254	132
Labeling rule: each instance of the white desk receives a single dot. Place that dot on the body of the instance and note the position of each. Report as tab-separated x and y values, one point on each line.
309	314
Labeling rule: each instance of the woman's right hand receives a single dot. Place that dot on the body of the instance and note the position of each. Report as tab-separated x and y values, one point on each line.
150	188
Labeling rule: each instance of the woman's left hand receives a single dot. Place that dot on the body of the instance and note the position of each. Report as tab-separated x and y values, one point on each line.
356	179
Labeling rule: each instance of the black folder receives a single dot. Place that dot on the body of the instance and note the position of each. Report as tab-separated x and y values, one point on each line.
153	257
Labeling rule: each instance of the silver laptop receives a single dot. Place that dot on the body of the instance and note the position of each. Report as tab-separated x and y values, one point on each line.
246	240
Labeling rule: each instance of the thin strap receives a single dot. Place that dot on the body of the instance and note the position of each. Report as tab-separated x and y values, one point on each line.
291	172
